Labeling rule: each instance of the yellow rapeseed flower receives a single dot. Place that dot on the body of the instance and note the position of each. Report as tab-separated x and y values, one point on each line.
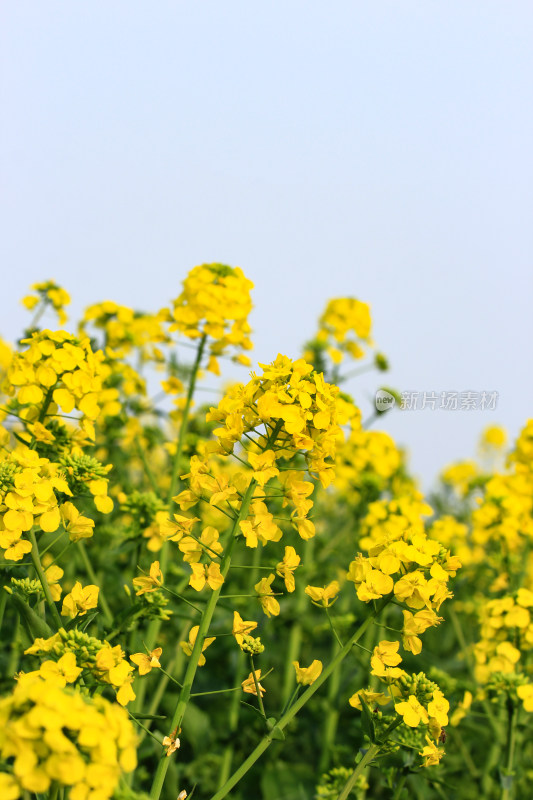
323	595
188	646
248	684
80	600
307	675
147	662
150	582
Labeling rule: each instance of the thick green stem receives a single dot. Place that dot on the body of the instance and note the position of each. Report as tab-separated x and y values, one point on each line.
155	625
368	757
508	776
44	583
240	668
289	715
203	629
46	403
174	666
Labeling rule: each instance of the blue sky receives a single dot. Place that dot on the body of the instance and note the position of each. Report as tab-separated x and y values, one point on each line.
376	150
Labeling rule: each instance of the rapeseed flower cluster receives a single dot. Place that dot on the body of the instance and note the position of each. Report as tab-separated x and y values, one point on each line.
28	486
32	492
404	562
506	635
418	701
295	400
101	663
344	329
48	293
215	303
51	735
221	498
126	330
58	370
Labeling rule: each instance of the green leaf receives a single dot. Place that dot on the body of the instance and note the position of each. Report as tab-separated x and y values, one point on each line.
367	721
277	734
36	625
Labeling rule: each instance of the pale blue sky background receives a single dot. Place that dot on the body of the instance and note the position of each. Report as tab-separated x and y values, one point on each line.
374	149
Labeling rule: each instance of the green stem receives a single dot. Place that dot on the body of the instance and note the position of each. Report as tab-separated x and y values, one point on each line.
3	601
42	577
368	757
233	720
507	790
149	474
170	678
203	629
332	717
46	403
399	787
235	706
155	625
174	480
489	765
295	636
289	715
333	629
257	689
456	623
54	791
92	576
14	656
174	665
217	691
185	422
473	770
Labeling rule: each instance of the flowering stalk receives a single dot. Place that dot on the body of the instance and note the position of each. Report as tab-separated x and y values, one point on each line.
181	439
233	716
203	628
155	625
92	576
367	759
289	715
507	779
295	636
42	577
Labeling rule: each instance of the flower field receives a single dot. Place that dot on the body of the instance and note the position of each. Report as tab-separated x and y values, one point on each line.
245	594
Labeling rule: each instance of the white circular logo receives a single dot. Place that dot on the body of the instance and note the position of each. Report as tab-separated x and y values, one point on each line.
384	400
